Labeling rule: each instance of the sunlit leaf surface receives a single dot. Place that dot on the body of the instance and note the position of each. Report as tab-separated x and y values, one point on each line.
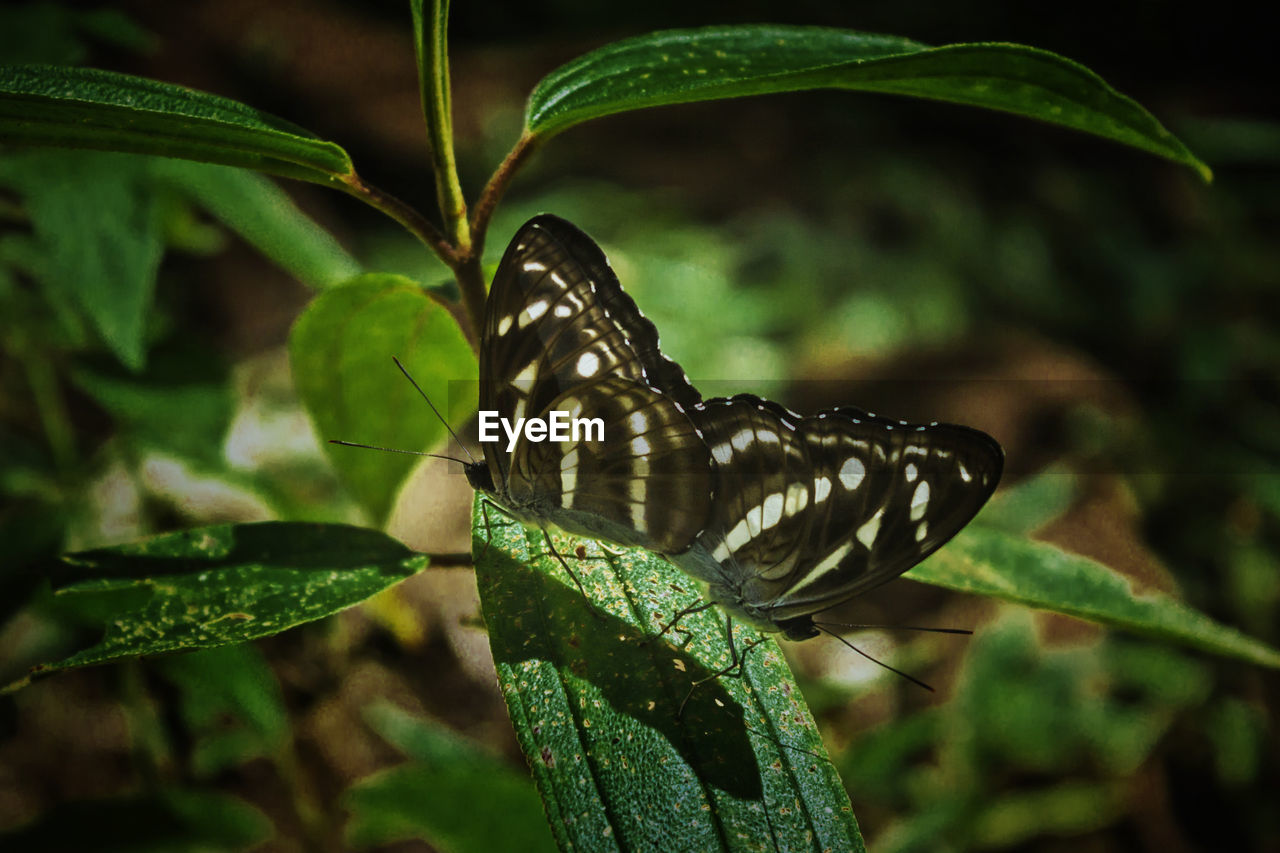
220	585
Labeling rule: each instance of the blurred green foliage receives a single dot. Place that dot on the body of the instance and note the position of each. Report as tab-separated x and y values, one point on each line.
898	238
1036	742
451	792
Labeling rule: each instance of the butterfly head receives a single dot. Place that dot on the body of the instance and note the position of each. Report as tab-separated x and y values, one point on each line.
479	476
800	628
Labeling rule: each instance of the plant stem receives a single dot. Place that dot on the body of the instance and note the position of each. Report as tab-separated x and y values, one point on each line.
437	109
468	271
463	245
470	278
151	747
318	830
417	224
52	410
422	228
525	146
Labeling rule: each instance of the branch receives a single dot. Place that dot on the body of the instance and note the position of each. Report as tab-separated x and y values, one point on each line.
497	185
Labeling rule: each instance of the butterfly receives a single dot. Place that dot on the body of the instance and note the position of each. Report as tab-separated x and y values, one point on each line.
781	516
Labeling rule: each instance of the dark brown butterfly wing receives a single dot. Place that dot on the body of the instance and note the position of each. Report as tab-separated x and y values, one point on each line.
811	511
561	335
784	516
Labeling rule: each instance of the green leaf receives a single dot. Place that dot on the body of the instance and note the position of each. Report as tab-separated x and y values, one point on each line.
594	697
1000	565
341	350
261	213
1051	710
232	706
1031	504
49	316
96	218
220	585
182	385
682	66
452	793
172	822
89	108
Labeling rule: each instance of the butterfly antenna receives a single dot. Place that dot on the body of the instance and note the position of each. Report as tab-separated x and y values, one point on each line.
910	678
434	409
398	450
826	625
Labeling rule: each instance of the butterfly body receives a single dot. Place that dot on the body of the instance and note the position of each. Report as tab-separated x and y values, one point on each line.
780	515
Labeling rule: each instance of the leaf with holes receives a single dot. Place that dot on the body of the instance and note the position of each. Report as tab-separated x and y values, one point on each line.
220	585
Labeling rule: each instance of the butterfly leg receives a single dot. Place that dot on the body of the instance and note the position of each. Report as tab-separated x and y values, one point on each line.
565	563
675	619
485	503
738	662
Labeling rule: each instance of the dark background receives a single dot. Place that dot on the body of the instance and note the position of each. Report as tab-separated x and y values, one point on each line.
1103	313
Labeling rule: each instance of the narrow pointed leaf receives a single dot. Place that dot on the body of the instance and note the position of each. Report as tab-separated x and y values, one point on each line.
97	216
90	108
220	585
682	66
264	215
989	562
594	697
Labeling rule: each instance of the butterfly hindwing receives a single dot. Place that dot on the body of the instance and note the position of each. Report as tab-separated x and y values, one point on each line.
814	510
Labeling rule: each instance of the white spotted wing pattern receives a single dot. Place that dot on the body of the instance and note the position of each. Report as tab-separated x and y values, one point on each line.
782	516
560	334
811	511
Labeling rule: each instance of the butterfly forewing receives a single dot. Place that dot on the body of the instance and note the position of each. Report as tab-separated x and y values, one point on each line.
561	335
556	315
648	483
642	336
